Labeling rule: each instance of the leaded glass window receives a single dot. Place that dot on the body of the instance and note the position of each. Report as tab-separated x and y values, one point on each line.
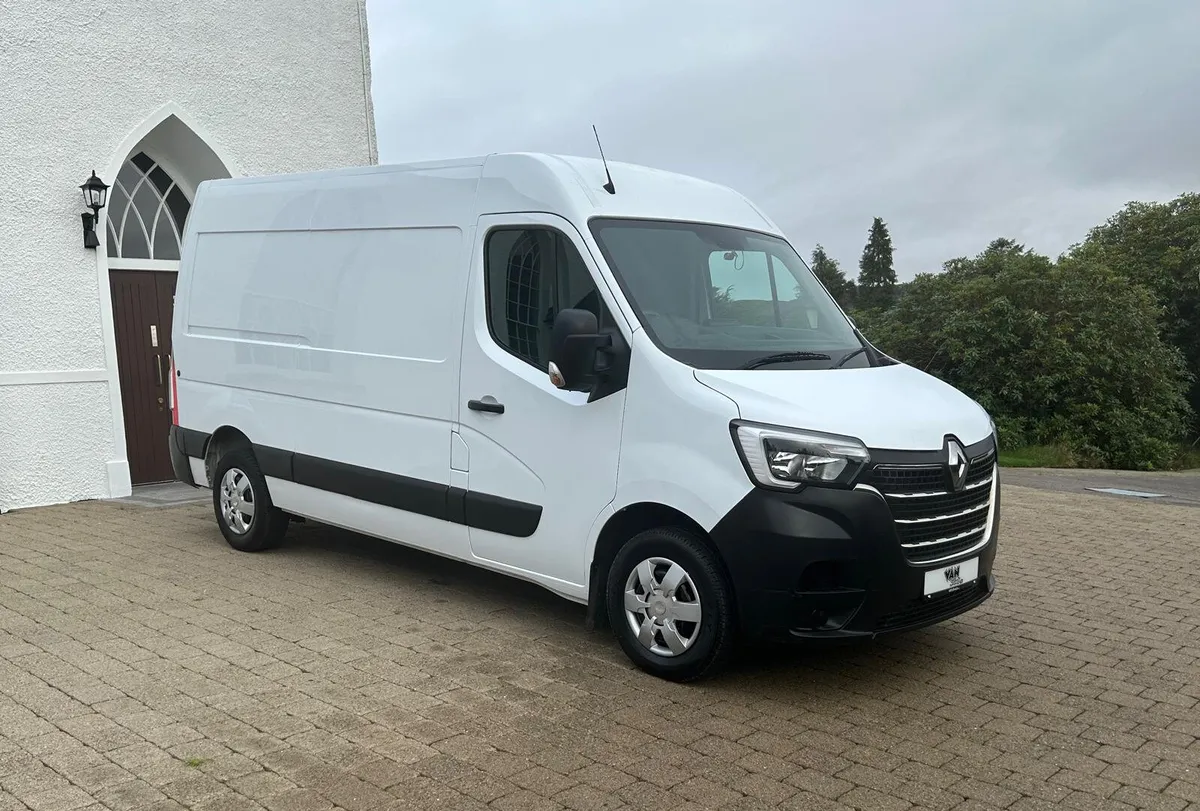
146	212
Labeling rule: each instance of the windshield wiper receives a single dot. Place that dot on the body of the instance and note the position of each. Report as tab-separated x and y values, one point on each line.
784	357
847	357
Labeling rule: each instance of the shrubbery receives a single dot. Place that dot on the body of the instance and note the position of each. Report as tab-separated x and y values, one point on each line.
1060	353
1158	246
1096	354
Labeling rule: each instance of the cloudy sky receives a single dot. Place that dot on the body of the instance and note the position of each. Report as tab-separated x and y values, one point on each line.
955	121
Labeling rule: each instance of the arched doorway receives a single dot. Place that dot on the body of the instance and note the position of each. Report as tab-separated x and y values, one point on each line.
147	213
149	202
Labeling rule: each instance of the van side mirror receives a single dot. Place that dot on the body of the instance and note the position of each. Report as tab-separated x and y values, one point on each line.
575	342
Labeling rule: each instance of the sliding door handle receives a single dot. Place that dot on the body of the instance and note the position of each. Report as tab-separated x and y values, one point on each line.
158	369
486	406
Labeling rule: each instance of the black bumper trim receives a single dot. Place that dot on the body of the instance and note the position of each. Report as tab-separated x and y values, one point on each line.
827	563
186	444
433	499
919	612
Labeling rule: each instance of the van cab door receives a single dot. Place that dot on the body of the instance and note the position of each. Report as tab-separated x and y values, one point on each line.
542	462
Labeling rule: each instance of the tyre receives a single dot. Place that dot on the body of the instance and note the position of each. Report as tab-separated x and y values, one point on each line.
670	605
245	514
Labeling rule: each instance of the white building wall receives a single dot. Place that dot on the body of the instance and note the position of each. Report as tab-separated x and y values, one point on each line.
272	86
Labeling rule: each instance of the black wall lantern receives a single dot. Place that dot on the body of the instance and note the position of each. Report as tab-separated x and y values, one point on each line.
95	195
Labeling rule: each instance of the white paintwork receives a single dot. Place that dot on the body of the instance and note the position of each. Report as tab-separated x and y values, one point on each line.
199	474
64	376
676	448
342	315
849	402
549	447
219	90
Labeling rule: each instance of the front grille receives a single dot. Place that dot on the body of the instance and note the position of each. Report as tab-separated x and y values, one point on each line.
916	479
932	609
933	522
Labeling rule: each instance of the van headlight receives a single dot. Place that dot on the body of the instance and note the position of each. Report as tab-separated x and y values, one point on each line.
785	459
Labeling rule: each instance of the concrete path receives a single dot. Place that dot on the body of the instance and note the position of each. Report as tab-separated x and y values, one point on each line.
168	494
1181	489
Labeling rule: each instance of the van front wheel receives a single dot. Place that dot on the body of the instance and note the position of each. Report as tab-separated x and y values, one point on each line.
670	606
245	514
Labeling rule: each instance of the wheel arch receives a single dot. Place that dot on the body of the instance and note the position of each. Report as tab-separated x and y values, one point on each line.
619	528
223	440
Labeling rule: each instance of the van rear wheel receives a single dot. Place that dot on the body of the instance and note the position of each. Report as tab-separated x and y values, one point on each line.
670	606
248	519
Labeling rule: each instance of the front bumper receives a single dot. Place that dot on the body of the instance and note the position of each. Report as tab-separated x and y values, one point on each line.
826	563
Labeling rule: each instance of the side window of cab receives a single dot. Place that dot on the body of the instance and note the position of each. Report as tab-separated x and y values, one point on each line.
531	273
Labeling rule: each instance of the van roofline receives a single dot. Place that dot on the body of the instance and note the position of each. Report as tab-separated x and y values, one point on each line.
544	181
552	160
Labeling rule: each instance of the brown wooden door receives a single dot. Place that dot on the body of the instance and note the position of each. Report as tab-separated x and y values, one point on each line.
143	301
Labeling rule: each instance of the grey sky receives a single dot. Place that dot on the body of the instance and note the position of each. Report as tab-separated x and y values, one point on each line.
955	121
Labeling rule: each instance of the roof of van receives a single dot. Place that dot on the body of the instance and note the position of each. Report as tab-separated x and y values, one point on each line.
568	185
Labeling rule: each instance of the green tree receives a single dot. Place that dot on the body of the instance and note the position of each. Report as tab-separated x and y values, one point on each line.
1063	352
1158	245
876	276
999	255
829	273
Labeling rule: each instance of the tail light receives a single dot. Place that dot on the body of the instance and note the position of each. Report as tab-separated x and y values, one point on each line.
174	392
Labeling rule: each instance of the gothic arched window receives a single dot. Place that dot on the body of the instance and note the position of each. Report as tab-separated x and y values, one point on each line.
146	212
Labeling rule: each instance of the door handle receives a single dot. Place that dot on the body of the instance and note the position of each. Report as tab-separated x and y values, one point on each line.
158	368
481	405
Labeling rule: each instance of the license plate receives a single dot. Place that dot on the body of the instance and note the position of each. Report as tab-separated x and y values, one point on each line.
951	577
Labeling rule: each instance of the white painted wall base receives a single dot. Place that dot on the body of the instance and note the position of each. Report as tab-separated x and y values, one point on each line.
28	455
54	440
118	479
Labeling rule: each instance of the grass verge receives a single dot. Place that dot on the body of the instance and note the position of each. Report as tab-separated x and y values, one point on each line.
1189	458
1037	456
1054	456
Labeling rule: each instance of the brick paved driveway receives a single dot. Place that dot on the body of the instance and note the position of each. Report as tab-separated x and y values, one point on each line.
144	664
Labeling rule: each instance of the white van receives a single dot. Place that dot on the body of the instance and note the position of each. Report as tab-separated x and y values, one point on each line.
634	394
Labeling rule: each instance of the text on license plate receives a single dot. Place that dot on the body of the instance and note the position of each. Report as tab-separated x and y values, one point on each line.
952	576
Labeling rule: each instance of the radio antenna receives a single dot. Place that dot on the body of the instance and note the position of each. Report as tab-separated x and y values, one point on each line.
608	187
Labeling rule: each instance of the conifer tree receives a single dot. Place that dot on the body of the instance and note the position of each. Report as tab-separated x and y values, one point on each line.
829	273
876	276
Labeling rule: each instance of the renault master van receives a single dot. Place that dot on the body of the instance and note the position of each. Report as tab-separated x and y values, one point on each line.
621	384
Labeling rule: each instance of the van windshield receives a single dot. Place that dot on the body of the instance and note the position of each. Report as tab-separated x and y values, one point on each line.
717	297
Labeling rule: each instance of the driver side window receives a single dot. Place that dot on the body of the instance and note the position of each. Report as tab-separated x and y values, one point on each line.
531	274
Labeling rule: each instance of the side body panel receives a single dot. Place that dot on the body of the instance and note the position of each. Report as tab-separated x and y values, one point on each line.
676	449
323	321
551	456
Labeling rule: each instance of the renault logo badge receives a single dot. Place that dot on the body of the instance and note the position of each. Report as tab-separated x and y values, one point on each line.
956	464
